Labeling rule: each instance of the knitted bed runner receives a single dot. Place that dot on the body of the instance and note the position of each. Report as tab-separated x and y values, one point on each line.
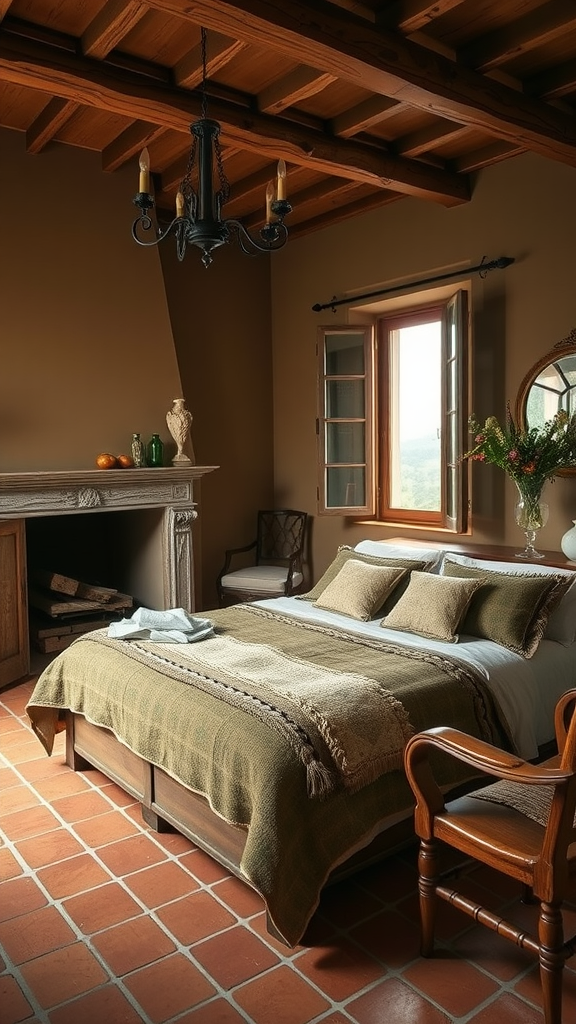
343	726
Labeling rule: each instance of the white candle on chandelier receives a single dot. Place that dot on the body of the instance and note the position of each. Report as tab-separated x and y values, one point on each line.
179	204
144	179
281	181
269	198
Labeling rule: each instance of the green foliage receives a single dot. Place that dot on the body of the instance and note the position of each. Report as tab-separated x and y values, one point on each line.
529	456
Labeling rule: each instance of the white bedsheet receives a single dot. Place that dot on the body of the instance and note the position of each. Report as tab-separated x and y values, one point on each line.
525	688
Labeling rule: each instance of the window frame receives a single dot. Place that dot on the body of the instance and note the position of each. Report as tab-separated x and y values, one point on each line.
367	332
455	355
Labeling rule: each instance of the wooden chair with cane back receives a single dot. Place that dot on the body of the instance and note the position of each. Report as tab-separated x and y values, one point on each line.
496	830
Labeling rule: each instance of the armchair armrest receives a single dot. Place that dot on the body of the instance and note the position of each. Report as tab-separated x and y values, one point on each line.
229	555
482	756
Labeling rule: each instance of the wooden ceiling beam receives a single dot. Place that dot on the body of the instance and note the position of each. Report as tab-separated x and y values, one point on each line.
487	155
364	115
32	64
328	190
334	41
220	50
537	28
4	7
419	142
110	26
290	90
131	141
554	83
412	15
340	213
48	123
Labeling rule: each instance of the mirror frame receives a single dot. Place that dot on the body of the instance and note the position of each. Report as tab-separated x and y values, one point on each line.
565	347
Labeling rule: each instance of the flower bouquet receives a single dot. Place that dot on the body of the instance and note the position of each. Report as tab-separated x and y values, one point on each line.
530	456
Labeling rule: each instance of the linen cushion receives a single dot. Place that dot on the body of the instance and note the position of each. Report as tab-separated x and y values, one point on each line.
260	578
561	625
344	553
510	609
432	606
360	589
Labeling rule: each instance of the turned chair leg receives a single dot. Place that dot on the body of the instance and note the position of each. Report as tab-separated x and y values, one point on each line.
552	959
427	882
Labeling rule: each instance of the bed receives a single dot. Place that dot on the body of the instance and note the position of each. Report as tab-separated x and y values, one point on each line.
276	742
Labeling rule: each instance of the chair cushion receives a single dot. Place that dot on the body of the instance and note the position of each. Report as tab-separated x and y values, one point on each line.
265	578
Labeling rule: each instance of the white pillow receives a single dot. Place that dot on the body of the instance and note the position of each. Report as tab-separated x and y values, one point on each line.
561	624
387	549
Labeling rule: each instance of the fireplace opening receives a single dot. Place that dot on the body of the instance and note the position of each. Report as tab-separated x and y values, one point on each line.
115	557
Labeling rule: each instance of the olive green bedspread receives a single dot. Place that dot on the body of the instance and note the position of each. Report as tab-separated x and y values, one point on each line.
249	769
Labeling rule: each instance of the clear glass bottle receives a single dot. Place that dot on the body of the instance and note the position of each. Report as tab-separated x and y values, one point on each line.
138	452
155	451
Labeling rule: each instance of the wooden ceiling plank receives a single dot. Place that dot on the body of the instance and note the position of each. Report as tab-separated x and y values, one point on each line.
33	64
290	90
412	15
110	26
416	143
535	29
131	141
220	50
365	114
4	7
317	34
487	155
48	123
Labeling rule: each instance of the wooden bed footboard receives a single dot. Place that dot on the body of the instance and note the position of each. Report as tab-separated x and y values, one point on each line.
168	805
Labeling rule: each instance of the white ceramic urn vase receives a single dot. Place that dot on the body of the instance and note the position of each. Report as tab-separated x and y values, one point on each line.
179	421
568	543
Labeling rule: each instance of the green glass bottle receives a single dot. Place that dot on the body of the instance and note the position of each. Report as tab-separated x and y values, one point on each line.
155	451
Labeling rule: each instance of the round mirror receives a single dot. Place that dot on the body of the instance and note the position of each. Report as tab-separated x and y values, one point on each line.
549	387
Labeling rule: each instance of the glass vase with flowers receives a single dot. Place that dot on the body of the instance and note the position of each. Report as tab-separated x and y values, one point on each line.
530	456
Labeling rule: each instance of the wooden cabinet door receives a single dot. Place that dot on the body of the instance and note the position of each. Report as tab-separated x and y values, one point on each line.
14	644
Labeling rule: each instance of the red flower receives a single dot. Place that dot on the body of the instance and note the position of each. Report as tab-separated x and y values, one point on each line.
530	467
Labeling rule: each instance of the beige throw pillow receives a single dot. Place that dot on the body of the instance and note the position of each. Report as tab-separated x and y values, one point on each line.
430	608
344	555
360	589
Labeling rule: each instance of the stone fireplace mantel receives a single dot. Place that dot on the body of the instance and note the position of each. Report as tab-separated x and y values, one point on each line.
26	495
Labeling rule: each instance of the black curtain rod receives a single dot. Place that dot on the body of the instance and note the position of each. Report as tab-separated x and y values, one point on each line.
500	264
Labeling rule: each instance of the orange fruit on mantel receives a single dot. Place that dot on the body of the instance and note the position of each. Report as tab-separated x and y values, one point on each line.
106	461
125	461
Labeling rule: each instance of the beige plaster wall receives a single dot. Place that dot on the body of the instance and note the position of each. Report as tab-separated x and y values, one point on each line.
87	350
522	208
222	331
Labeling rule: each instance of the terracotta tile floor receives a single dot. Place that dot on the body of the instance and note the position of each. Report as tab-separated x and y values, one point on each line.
102	921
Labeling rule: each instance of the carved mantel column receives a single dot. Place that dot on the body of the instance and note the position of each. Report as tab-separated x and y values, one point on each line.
179	558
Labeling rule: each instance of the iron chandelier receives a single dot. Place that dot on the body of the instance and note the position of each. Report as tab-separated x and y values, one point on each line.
198	219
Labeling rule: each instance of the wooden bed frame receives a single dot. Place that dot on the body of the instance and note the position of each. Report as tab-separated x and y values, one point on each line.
168	805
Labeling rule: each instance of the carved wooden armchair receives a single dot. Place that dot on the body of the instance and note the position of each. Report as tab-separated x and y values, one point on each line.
275	565
540	856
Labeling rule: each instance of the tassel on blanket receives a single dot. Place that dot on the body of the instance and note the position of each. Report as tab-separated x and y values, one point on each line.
319	780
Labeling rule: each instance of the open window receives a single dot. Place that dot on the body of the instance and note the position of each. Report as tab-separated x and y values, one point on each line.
393	411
